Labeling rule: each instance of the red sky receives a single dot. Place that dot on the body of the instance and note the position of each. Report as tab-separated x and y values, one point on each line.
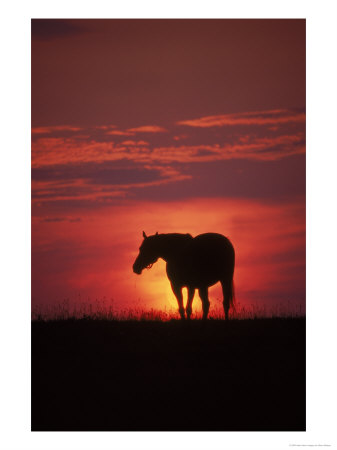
170	126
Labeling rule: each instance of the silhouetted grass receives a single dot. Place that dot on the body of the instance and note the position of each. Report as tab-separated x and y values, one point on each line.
104	310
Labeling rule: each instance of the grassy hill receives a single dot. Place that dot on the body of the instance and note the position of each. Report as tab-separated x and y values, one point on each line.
111	375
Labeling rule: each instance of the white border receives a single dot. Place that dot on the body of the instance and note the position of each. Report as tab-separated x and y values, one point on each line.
321	222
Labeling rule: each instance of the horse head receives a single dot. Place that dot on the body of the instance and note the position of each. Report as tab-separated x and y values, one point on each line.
148	253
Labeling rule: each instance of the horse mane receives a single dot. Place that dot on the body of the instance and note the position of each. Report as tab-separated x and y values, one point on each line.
177	235
173	238
172	243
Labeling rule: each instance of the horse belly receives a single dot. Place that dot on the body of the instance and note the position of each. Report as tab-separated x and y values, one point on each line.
196	274
200	275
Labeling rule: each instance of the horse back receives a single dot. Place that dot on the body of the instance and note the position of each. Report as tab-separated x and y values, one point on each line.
206	259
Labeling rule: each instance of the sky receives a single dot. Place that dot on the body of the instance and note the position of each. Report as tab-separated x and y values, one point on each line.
187	126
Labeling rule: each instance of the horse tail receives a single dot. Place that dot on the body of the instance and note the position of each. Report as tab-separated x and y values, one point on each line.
232	299
232	294
228	285
229	292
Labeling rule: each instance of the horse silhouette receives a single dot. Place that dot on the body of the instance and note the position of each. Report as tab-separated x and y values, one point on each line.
195	263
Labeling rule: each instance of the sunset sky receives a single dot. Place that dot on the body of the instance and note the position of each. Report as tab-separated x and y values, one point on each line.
169	126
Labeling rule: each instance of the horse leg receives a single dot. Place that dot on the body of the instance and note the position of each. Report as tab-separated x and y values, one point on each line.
179	296
226	296
189	302
203	293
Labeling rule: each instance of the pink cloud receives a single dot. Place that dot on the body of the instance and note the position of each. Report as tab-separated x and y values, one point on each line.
263	149
148	129
119	133
49	151
135	143
47	130
269	117
80	189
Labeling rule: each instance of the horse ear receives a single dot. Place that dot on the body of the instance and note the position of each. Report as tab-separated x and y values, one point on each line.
144	235
157	233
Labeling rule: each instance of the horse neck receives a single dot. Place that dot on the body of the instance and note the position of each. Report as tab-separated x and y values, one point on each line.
171	245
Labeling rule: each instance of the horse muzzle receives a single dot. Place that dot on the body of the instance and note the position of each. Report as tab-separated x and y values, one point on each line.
137	269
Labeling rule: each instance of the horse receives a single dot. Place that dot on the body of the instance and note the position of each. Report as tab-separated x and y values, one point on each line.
193	262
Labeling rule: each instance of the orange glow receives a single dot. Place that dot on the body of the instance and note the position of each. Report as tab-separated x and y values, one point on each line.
102	247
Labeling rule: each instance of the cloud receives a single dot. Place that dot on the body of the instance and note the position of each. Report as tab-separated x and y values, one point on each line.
205	152
50	151
263	149
53	129
119	133
95	184
132	143
55	151
218	162
148	129
270	117
108	173
95	181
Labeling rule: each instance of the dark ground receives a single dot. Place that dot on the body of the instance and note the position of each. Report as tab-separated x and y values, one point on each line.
96	375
